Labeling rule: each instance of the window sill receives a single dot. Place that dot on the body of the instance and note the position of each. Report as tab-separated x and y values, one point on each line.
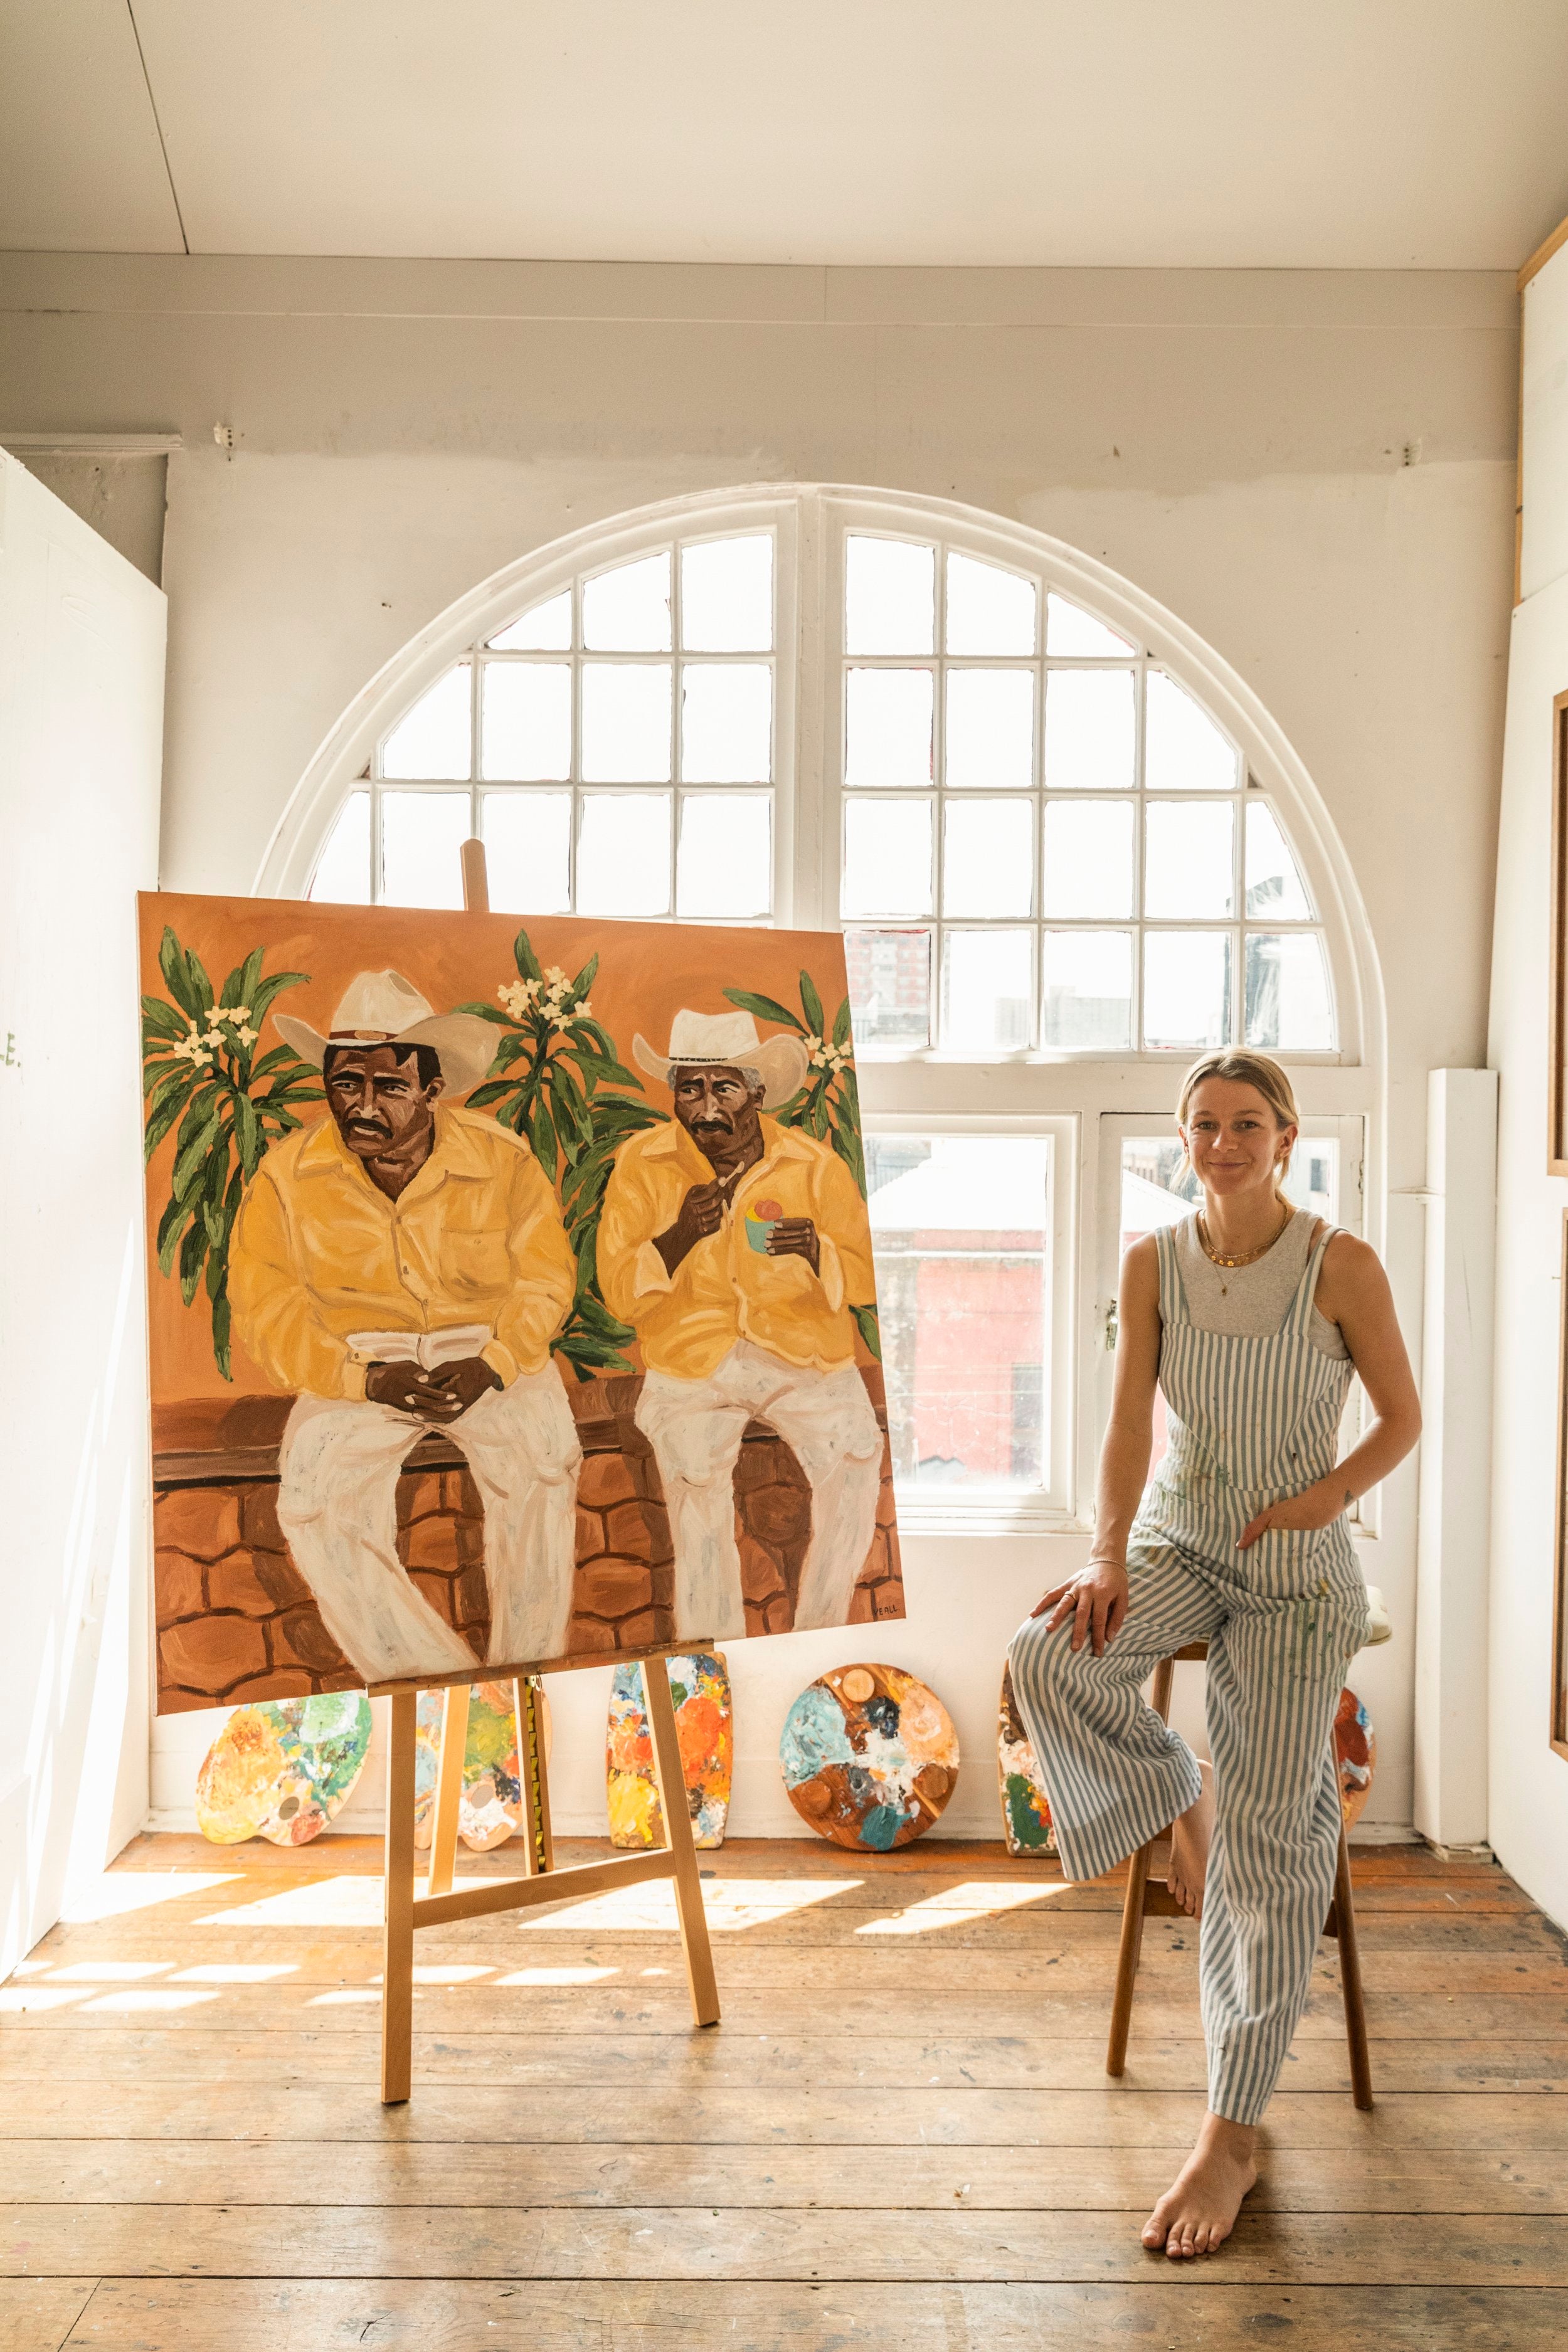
979	1511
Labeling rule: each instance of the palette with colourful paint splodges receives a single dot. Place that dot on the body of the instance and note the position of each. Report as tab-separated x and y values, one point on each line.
704	1724
1025	1808
282	1769
490	1806
869	1757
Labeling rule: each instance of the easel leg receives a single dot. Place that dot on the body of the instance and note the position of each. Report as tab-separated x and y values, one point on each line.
448	1786
538	1839
671	1784
397	1956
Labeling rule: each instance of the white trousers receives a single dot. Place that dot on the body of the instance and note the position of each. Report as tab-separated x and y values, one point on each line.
337	1504
696	1427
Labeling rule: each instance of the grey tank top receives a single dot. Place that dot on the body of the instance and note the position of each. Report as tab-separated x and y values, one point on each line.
1251	1302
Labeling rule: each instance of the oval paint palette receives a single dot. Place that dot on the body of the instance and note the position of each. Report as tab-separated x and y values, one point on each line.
490	1806
869	1757
1356	1752
704	1723
282	1770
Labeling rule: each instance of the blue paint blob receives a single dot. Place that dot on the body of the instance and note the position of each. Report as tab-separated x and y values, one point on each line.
814	1734
881	1826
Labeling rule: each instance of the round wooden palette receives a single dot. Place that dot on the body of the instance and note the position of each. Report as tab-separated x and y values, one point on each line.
869	1757
1025	1808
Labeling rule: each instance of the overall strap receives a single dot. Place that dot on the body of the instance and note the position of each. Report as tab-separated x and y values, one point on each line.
1299	1319
1173	1296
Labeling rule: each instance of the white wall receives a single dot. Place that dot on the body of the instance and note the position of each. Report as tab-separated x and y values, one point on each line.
1528	1783
82	662
1314	469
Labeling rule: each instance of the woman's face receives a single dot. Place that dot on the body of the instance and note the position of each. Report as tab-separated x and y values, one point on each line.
1232	1139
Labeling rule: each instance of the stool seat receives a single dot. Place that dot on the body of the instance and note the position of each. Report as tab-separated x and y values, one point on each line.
1150	1898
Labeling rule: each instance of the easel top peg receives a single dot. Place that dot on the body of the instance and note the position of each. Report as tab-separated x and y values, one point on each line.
476	877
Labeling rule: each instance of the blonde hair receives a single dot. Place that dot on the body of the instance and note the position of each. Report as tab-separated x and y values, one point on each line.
1243	1067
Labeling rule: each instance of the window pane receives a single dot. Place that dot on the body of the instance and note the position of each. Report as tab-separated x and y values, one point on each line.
960	1230
887	857
988	857
1088	992
889	986
342	869
623	853
727	596
991	728
421	835
1186	989
1072	631
627	610
726	722
1091	730
1287	999
1273	880
625	723
526	719
434	738
544	629
988	983
1183	750
1312	1178
989	611
725	865
1089	857
889	596
528	851
1188	850
886	728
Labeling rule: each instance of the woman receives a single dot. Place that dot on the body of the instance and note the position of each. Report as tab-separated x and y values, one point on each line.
1251	1317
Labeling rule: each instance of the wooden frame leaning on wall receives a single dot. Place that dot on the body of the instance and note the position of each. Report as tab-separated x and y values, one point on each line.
1557	1016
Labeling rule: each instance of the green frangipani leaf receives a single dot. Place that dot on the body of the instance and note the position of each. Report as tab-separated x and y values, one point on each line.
810	1004
841	1037
273	986
528	963
177	974
765	1008
161	1019
870	1331
238	987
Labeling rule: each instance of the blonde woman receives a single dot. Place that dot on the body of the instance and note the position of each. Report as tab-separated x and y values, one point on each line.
1251	1317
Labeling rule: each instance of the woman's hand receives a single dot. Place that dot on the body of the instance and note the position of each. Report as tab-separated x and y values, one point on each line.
1318	1506
1096	1599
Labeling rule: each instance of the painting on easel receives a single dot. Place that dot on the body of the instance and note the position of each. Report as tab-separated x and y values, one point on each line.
510	1293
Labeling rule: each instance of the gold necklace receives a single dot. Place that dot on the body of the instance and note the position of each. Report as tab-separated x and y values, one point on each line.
1245	1257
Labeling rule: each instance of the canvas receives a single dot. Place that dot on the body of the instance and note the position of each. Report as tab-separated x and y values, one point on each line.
511	1295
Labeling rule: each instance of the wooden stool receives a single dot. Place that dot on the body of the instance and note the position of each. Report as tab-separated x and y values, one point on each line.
1147	1898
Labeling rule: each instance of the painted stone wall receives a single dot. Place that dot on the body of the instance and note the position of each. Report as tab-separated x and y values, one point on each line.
235	1616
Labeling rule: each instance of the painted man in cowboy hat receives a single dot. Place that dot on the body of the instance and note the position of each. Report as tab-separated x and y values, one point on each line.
401	1265
735	1248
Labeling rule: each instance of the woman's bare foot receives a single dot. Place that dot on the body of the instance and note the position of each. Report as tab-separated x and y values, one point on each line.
1190	1836
1197	2212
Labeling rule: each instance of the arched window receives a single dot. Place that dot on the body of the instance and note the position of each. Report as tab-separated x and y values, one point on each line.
1066	844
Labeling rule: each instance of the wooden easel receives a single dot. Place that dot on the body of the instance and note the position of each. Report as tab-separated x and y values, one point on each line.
405	1910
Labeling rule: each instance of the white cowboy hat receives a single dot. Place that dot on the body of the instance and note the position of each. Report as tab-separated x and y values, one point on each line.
381	1008
730	1041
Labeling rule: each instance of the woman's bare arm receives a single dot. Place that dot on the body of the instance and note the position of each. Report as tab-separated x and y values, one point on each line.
1098	1597
1353	1292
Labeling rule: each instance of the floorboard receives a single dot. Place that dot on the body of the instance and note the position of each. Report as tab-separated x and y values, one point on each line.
901	2139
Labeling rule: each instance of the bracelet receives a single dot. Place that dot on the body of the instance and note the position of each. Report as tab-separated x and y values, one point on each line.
1096	1560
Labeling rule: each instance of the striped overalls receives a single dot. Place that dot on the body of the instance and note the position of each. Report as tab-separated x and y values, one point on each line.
1251	1421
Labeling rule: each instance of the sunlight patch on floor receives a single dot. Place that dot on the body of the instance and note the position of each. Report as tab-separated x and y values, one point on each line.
120	1891
956	1906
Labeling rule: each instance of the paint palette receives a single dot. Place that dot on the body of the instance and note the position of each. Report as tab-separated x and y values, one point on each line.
704	1722
490	1806
1355	1751
869	1757
1025	1808
282	1770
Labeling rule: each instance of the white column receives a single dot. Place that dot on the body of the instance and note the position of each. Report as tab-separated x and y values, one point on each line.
1453	1544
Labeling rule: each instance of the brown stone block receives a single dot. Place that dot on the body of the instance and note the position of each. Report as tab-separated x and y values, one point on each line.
862	1606
663	1575
201	1521
779	1614
760	1464
591	1537
639	1632
889	1600
432	1543
463	1495
760	1574
283	1682
177	1583
639	1530
470	1541
212	1654
610	1588
259	1525
777	1514
278	1576
605	1478
588	1634
418	1494
300	1639
885	1512
473	1598
233	1583
437	1590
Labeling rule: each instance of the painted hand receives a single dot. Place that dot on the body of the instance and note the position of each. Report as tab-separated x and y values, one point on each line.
702	1214
796	1237
455	1387
1096	1600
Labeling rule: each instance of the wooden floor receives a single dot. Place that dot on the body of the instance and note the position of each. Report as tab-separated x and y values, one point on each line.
901	2138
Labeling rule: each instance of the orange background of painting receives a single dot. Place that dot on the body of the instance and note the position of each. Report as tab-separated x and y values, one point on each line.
648	973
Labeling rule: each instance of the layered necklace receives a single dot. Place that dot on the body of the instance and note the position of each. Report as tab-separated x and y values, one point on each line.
1242	1257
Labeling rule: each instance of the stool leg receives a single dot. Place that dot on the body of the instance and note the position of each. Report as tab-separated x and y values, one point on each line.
1349	1979
1127	1955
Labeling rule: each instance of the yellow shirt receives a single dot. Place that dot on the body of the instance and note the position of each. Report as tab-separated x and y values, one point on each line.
320	1252
725	1288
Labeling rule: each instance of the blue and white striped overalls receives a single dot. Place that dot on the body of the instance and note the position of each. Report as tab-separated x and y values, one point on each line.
1250	1421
